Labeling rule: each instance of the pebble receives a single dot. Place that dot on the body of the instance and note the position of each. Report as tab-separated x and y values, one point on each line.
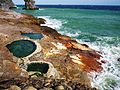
30	88
59	88
46	89
47	84
14	87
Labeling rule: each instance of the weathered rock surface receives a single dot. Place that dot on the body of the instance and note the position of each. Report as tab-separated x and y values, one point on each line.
67	59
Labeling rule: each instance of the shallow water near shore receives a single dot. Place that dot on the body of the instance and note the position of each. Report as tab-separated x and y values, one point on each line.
100	29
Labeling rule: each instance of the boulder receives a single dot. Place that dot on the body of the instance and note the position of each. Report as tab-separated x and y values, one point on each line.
30	5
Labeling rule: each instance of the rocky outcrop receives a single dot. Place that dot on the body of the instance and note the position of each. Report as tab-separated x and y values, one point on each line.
56	62
6	4
30	5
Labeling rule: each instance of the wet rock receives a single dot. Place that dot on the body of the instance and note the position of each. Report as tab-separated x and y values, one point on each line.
49	32
41	21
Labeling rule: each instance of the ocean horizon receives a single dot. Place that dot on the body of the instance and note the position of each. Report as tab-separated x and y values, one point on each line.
94	7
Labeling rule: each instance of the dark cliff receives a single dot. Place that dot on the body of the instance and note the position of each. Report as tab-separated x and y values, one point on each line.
6	4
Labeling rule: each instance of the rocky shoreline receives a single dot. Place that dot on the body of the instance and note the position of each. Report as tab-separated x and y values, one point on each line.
51	62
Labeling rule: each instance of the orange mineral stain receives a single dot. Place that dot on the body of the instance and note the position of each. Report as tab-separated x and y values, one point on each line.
87	60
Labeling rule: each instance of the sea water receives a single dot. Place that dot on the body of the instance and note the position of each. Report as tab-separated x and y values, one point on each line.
100	29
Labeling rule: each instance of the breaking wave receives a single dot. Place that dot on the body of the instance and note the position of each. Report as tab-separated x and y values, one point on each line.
109	78
53	23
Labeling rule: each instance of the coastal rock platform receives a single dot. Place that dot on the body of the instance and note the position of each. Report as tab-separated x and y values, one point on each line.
52	62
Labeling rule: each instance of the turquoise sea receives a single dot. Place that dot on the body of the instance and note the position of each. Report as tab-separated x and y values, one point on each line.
100	29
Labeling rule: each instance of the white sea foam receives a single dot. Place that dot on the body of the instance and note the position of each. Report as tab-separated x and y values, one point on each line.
41	9
109	78
53	23
72	34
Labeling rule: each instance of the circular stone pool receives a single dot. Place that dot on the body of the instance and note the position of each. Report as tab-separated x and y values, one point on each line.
38	67
22	48
33	35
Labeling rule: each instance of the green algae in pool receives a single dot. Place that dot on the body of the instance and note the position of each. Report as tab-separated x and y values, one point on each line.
33	35
22	48
38	67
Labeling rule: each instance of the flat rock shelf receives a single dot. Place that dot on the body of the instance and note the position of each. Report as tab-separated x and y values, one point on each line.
38	56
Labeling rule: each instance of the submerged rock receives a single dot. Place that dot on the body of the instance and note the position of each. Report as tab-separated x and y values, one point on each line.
22	48
33	35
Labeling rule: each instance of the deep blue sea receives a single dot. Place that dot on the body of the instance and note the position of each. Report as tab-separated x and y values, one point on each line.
96	26
94	7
